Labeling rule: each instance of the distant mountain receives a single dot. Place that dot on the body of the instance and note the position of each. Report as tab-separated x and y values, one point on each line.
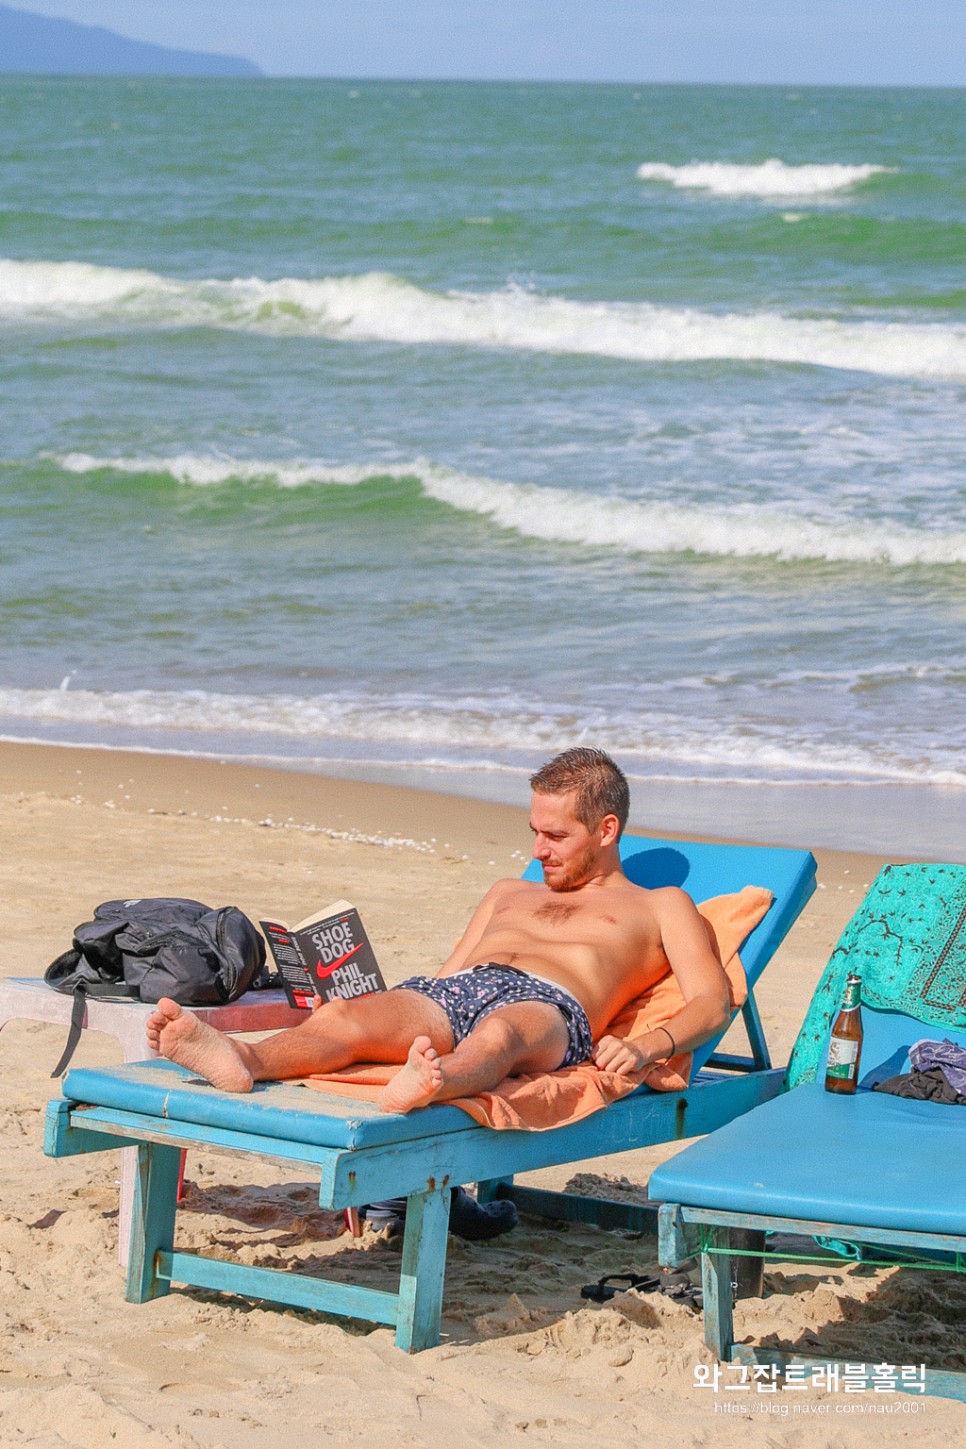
37	45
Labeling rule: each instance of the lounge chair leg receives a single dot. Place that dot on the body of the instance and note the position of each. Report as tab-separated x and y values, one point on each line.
716	1287
152	1219
677	1241
423	1270
749	1272
492	1189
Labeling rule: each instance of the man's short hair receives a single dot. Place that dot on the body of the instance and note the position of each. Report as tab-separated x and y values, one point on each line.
599	785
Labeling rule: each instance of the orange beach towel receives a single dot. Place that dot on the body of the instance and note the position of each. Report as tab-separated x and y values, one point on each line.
552	1099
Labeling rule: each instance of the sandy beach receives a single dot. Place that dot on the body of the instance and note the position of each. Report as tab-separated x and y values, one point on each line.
522	1360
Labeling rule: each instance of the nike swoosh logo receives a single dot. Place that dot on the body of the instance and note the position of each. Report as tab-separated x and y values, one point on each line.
323	971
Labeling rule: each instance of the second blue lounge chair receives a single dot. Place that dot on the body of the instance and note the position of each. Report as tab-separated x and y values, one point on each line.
873	1175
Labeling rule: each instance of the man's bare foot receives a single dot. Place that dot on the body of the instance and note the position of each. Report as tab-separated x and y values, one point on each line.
417	1083
182	1038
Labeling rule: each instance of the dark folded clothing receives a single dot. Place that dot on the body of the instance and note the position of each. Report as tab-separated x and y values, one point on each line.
931	1086
474	1221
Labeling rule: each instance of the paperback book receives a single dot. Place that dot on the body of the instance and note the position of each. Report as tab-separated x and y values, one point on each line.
327	955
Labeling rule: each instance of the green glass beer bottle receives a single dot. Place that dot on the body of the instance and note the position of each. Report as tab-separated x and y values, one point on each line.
845	1043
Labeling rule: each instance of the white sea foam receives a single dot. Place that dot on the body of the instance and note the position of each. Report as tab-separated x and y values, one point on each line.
768	179
378	307
482	730
558	515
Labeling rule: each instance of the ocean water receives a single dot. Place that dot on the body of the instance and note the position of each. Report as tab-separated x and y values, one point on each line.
416	431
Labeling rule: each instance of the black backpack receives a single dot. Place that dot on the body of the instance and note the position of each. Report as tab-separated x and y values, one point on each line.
152	947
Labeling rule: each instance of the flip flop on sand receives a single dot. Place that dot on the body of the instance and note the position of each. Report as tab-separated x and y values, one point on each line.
672	1285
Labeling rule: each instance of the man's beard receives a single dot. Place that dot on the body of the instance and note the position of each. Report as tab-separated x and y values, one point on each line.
573	875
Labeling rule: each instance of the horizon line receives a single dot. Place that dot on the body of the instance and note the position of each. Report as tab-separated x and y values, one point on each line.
880	85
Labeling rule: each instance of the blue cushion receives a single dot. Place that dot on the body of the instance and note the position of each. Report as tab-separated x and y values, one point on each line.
871	1159
280	1110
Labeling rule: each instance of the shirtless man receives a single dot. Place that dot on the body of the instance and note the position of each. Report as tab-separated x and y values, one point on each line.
537	976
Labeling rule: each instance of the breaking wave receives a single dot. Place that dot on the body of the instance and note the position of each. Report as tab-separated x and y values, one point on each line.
558	515
768	179
380	307
485	730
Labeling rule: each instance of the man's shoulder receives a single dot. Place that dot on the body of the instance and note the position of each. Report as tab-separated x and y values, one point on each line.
513	885
657	899
676	895
671	900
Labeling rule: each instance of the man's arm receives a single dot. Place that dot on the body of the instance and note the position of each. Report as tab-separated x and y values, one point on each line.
703	983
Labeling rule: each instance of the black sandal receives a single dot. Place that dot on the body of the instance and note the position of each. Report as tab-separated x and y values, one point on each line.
605	1288
677	1286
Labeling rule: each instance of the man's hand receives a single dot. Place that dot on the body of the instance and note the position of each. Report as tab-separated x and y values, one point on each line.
614	1054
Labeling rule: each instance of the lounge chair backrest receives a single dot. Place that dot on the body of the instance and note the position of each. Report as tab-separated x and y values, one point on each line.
907	941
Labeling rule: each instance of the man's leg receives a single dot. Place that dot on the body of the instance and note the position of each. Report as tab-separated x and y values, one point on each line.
529	1036
379	1027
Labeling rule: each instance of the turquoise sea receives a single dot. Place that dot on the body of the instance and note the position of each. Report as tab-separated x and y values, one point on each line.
416	431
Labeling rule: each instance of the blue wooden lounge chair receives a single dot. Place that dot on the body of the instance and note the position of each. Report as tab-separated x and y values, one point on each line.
872	1175
363	1155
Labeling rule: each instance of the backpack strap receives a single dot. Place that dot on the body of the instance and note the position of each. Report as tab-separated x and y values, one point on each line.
81	992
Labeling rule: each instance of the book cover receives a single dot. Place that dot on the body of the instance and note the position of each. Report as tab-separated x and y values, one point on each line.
327	955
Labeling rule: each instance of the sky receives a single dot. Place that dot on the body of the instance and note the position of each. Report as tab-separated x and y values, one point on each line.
833	42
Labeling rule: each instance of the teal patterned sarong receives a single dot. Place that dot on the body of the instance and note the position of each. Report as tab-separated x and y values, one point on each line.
908	943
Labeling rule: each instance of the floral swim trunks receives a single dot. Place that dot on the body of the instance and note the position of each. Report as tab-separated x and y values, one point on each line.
471	995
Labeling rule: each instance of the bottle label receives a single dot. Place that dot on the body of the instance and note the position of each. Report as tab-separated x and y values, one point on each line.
853	991
842	1056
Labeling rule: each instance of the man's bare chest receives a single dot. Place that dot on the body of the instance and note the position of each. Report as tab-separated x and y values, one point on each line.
572	918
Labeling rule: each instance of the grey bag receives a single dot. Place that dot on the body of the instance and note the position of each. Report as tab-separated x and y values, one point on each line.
158	946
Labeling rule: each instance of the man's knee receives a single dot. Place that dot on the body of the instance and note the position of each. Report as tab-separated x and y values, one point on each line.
381	1026
525	1033
338	1018
502	1032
